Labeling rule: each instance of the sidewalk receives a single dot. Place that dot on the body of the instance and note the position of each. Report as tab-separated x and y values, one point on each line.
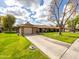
73	51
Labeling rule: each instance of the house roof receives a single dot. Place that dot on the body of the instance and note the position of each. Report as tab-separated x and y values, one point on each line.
27	24
37	26
45	26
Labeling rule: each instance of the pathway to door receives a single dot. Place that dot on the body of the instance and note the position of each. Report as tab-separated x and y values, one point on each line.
52	48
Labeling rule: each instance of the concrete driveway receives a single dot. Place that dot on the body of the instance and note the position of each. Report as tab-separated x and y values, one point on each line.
52	48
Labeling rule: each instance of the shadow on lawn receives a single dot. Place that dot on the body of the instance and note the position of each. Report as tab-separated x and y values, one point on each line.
9	32
74	36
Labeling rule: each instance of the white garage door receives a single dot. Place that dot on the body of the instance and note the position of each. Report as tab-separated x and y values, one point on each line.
27	30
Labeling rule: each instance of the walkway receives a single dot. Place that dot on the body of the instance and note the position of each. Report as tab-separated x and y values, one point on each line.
52	48
73	51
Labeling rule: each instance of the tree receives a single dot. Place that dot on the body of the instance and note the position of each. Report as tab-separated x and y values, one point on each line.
8	22
73	23
1	20
61	13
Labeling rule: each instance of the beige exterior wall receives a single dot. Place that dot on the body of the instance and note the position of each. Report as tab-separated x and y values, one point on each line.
34	30
20	31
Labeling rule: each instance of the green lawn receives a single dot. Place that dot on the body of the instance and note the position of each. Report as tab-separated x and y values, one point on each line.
65	37
17	47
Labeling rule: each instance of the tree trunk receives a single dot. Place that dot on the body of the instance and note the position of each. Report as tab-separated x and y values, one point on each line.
9	29
64	30
73	29
60	31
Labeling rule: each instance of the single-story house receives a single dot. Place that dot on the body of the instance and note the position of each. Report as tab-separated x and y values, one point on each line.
29	28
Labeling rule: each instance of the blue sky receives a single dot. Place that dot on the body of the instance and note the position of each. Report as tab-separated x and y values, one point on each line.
2	4
34	11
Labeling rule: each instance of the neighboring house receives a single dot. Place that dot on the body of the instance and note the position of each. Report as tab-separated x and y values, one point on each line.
28	28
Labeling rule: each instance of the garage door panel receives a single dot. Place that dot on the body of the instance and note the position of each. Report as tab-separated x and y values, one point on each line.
27	30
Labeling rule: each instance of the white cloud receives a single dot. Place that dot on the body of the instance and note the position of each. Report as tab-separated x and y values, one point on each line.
43	11
33	4
47	2
12	3
17	11
14	7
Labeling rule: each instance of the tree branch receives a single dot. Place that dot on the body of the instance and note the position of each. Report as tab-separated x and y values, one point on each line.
64	12
60	3
70	14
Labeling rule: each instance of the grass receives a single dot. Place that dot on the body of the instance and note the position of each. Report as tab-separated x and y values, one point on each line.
17	47
65	37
